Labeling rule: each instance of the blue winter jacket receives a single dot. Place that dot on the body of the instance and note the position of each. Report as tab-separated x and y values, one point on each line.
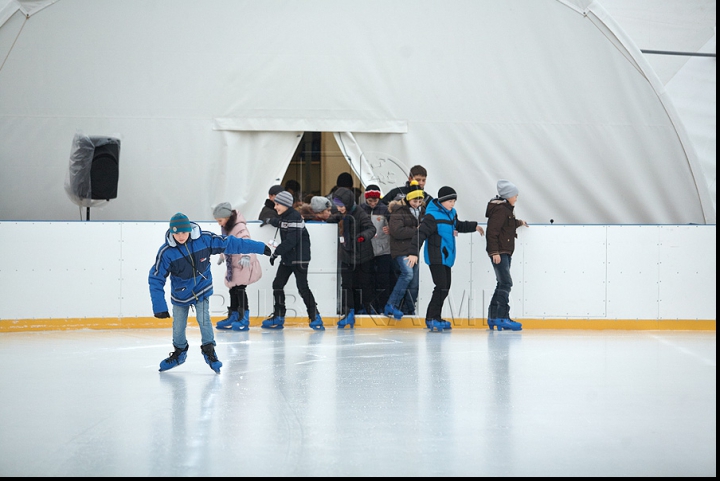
437	229
188	266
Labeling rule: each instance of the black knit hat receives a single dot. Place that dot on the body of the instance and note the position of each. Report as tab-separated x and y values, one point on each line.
446	193
275	189
345	180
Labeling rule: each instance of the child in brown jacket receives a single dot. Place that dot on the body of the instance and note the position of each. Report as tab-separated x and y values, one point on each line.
501	233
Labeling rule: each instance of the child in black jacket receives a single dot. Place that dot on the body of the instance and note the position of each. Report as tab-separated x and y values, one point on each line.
294	249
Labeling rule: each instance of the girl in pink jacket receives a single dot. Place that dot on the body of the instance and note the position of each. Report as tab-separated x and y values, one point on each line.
242	270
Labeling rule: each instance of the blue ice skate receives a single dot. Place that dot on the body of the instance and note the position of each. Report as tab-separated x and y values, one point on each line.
392	311
208	351
347	320
435	325
317	323
242	324
176	358
274	322
504	323
227	322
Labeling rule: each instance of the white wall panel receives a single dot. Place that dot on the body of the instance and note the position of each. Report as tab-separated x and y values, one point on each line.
687	272
632	287
564	271
60	269
140	244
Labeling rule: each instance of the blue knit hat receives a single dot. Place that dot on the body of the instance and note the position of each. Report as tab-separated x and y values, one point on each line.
180	223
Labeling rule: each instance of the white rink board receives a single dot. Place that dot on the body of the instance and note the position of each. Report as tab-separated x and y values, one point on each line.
686	267
564	271
60	269
82	269
633	253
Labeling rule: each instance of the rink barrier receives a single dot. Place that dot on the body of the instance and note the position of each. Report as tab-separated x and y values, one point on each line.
565	277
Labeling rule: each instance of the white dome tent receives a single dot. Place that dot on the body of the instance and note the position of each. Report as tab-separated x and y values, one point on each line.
211	99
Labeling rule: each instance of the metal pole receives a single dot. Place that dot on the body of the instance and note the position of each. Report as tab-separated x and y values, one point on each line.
685	54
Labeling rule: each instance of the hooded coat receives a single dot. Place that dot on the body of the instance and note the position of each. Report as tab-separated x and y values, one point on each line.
357	230
501	227
238	275
188	266
403	229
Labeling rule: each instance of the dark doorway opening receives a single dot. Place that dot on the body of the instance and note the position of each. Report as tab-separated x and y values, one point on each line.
315	166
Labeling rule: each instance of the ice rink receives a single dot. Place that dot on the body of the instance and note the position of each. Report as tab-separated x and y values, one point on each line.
363	402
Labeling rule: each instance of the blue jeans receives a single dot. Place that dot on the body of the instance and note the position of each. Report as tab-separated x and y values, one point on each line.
407	284
500	302
180	317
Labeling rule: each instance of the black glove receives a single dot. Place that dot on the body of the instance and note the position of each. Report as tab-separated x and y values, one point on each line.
162	315
267	251
265	222
272	259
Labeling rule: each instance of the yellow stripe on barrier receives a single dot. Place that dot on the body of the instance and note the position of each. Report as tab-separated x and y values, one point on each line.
407	322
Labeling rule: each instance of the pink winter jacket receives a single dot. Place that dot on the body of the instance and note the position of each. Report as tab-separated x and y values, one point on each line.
237	275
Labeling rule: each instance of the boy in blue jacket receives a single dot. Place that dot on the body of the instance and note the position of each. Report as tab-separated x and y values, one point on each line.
439	228
185	257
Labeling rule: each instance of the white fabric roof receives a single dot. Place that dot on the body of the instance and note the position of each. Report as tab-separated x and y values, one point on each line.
210	99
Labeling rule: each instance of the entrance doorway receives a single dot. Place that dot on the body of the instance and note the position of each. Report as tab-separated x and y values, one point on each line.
315	166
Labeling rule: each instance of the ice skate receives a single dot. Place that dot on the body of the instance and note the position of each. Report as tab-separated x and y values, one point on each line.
208	351
435	325
505	323
274	322
392	311
242	324
317	323
176	358
227	322
347	320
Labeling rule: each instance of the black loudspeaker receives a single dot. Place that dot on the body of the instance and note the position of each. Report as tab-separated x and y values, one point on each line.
94	170
105	168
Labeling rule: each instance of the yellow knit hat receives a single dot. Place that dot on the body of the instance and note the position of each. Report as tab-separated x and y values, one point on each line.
415	191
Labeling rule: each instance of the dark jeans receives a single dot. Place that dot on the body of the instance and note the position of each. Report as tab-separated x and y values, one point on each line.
282	277
442	278
382	281
356	283
238	299
500	302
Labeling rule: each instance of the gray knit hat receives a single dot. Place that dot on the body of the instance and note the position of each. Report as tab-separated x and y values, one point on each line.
319	203
506	189
284	198
222	210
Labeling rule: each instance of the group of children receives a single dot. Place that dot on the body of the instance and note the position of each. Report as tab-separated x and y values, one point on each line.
381	237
